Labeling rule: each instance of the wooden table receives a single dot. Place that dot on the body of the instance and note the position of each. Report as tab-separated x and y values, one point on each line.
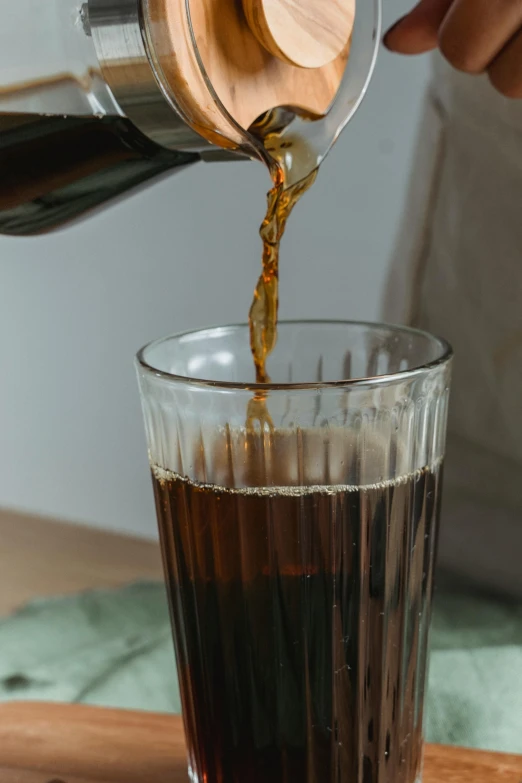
43	557
43	743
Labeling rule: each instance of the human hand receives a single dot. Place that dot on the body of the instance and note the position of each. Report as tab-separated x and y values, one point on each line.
475	36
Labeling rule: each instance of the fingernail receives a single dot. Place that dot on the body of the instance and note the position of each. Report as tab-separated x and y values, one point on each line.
392	30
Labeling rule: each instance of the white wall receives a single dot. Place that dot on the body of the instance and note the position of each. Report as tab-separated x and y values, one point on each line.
74	306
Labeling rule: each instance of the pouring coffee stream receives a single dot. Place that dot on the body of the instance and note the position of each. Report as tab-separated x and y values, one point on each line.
263	312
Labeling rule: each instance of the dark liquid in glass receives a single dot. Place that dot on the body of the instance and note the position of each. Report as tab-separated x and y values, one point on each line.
301	620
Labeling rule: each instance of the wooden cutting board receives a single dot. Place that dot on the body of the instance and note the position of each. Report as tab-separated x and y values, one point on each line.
44	743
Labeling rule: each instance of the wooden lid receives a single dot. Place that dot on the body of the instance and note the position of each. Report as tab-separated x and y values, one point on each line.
307	33
264	54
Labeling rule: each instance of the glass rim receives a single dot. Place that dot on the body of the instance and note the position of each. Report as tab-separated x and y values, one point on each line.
445	355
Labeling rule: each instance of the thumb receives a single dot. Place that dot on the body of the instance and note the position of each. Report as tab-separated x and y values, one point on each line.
417	32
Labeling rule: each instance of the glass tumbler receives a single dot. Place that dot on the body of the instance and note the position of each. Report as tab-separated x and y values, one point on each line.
298	525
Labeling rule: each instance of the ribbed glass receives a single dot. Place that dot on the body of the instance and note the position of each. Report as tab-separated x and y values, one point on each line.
299	550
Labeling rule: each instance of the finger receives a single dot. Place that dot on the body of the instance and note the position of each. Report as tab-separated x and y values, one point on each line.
475	31
418	31
505	73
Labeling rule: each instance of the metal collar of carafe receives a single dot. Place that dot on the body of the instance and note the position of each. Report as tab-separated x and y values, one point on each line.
117	31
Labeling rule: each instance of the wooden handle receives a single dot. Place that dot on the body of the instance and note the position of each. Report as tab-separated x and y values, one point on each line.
306	33
247	78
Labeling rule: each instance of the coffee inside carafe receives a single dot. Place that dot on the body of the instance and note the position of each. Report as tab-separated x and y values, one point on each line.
54	169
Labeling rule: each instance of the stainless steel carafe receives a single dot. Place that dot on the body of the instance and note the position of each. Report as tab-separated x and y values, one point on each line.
98	98
71	136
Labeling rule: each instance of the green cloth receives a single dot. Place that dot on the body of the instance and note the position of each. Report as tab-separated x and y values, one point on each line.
114	648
